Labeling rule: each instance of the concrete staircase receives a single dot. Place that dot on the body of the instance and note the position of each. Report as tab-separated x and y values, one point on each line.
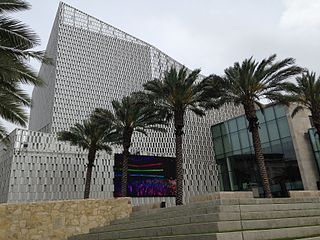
222	219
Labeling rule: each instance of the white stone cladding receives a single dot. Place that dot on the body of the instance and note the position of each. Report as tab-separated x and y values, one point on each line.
95	63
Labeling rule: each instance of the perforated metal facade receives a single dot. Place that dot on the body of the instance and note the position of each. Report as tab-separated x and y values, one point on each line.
94	64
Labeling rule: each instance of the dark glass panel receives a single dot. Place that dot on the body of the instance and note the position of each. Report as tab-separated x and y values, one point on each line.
244	139
247	151
288	149
227	143
269	114
260	116
276	147
235	141
283	127
218	146
232	125
266	148
280	111
216	132
263	133
241	122
273	130
224	128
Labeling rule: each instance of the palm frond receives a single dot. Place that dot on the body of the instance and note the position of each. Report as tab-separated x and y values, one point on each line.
13	6
12	106
15	34
3	134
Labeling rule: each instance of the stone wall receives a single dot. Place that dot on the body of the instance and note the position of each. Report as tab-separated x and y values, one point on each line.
58	220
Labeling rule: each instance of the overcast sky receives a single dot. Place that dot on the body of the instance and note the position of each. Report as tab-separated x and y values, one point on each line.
206	34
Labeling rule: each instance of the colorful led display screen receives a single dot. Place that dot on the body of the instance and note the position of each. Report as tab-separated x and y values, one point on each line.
148	176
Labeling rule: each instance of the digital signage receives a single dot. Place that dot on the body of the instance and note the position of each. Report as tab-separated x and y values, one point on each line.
148	176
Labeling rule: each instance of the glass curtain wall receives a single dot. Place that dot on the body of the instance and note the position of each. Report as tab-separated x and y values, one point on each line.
235	157
315	142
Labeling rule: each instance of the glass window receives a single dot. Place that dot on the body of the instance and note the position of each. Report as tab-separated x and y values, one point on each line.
280	111
244	139
269	114
266	148
227	143
260	116
276	146
218	146
317	155
263	133
283	127
237	152
273	130
216	132
224	128
241	122
232	125
235	141
288	148
246	151
218	157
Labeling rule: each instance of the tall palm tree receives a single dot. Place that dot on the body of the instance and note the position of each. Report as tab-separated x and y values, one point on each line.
248	83
178	92
132	115
16	42
91	136
306	93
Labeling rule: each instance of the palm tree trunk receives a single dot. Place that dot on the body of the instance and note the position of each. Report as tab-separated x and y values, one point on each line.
91	158
126	146
254	129
178	117
261	162
124	179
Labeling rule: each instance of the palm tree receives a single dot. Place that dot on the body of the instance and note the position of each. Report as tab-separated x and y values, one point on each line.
178	92
247	84
16	40
132	115
306	93
91	136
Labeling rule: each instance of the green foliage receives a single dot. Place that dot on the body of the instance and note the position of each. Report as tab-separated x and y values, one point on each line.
306	93
91	134
133	114
16	42
177	92
250	82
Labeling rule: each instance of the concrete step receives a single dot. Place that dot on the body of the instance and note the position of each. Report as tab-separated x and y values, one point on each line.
281	233
177	213
193	228
212	217
269	234
245	210
208	219
280	223
279	207
198	205
280	214
222	216
202	236
258	223
277	200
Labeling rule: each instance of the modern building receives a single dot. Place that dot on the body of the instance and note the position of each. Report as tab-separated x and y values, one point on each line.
95	63
286	146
